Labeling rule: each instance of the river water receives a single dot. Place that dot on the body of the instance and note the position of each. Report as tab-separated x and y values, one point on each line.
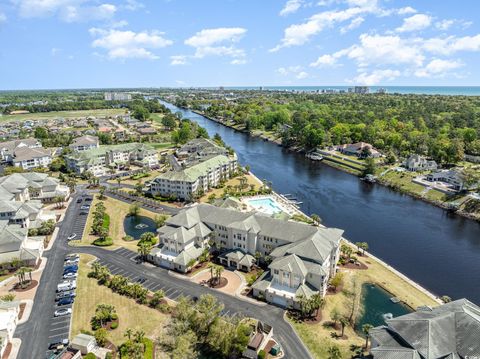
440	251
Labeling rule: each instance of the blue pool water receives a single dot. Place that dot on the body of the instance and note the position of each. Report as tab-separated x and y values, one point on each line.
266	205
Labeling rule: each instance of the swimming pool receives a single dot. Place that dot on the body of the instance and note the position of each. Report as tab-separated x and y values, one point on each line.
266	205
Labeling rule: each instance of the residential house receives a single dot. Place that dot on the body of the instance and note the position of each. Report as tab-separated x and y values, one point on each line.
9	312
417	162
359	149
99	160
117	96
305	256
451	330
185	183
453	177
30	158
84	143
8	149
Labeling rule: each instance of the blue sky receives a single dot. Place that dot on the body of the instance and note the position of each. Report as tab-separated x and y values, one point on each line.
143	43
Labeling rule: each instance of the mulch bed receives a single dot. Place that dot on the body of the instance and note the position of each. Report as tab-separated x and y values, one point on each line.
314	319
223	282
358	265
7	351
197	269
332	291
108	326
22	309
31	285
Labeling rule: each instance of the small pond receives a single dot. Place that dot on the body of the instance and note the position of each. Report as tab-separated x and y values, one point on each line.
377	307
135	226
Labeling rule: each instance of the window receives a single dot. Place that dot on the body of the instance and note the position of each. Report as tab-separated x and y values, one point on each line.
275	271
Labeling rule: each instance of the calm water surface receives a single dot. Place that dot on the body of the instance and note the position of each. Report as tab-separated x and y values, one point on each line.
438	250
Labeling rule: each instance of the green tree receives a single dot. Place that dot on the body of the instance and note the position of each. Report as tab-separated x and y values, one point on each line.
366	330
334	352
101	336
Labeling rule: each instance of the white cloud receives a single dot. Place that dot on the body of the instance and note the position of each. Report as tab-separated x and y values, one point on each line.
238	62
295	71
451	44
128	44
415	23
66	10
325	61
3	17
299	34
55	51
376	77
406	10
353	24
133	5
290	7
438	68
178	60
444	24
218	42
379	49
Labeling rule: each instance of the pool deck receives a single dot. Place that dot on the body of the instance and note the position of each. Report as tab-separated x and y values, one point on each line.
414	284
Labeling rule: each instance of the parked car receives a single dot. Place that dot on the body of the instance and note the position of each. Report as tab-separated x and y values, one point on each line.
56	345
85	206
62	312
79	200
72	236
83	213
88	199
66	285
70	275
65	301
67	294
70	263
69	271
73	267
72	256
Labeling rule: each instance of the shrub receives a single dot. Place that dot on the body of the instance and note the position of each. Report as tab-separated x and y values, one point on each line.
109	355
114	325
90	356
128	238
8	297
114	316
165	308
261	354
103	242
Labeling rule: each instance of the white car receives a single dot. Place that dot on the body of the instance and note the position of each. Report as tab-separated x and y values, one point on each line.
72	257
85	206
70	275
72	236
63	311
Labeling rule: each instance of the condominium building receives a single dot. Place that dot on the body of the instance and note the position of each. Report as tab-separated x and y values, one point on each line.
27	153
84	143
304	256
99	160
7	149
185	183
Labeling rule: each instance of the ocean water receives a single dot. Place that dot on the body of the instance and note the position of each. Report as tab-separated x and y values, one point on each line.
425	90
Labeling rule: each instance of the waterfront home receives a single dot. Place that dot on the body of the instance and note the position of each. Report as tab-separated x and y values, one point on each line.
417	162
452	177
84	143
15	244
198	150
359	149
98	160
451	330
9	312
305	256
186	183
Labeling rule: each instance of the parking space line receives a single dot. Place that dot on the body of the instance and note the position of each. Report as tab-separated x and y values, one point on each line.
61	328
155	286
171	294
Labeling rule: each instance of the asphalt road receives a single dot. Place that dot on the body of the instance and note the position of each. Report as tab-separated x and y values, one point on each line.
42	327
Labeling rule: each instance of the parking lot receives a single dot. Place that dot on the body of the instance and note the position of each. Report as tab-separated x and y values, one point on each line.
59	327
171	290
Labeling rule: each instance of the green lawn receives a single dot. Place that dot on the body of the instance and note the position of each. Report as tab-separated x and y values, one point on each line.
64	114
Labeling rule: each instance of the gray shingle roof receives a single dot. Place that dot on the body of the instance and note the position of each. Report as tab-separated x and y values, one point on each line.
451	330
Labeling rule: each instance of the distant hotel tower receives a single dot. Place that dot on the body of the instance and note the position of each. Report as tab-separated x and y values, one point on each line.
117	96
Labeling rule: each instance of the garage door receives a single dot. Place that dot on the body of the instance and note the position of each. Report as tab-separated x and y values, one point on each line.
280	301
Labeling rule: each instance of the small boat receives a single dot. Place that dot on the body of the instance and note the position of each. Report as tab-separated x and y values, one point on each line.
314	156
395	300
369	178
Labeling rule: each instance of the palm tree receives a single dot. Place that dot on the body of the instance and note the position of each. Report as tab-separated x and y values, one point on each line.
128	333
144	249
317	302
334	352
335	315
218	272
315	218
366	330
119	180
139	336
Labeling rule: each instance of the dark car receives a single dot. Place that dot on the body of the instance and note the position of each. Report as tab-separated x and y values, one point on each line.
88	199
66	301
67	294
73	266
70	273
55	345
70	269
79	200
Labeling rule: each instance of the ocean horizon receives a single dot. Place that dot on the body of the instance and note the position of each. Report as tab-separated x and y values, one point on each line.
420	90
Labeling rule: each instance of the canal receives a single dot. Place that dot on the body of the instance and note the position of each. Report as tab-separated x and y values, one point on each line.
440	251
